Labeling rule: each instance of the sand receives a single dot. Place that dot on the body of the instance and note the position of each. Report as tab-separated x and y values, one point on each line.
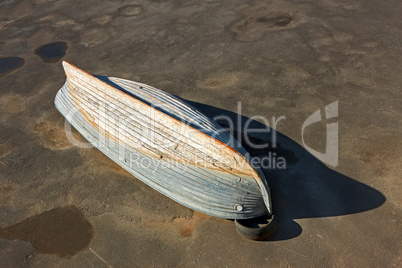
278	58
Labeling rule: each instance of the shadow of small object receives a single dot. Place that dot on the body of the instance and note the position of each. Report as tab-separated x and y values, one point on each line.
305	188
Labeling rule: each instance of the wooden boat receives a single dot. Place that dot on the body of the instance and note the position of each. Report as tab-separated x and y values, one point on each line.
166	143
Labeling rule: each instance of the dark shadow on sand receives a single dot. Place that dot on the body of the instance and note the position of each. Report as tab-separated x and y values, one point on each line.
306	188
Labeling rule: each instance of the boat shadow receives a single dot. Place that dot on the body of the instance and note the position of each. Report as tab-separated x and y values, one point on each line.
305	188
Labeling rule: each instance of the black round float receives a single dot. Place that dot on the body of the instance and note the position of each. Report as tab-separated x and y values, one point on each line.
256	228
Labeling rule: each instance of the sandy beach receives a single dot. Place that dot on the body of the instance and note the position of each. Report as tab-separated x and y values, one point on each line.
274	62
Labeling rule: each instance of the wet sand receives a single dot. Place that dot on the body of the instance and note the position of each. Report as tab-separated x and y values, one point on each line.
278	58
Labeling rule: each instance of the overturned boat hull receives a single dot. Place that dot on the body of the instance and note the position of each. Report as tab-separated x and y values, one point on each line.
166	143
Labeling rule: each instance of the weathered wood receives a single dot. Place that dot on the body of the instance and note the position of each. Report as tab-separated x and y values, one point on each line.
166	143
